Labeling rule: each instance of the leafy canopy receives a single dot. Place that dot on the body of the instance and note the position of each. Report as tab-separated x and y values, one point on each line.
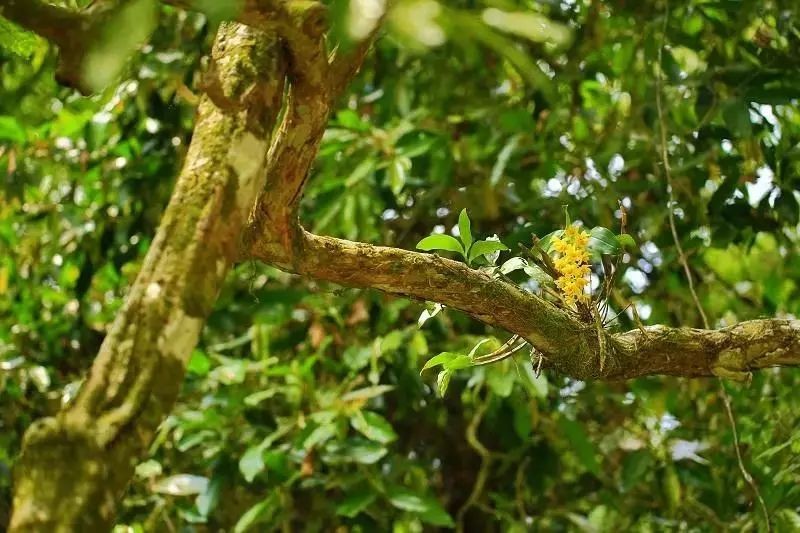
306	407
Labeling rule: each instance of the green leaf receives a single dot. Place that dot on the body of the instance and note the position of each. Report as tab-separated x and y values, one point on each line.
397	174
207	500
475	348
17	40
457	363
442	381
199	364
485	248
502	159
626	241
347	118
787	207
437	516
258	397
529	25
362	170
181	485
355	502
366	393
319	435
737	117
464	229
507	48
255	514
771	96
440	242
373	426
536	385
252	462
635	467
788	520
545	242
670	66
367	453
538	275
580	444
724	191
415	144
427	508
515	263
406	500
603	241
10	130
357	450
500	380
440	359
449	360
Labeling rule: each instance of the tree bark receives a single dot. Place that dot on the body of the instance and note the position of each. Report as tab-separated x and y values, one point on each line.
569	346
75	467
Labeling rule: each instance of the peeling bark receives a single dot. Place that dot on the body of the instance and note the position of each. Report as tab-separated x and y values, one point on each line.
74	467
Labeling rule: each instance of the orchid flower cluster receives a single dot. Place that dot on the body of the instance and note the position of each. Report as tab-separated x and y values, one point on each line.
572	263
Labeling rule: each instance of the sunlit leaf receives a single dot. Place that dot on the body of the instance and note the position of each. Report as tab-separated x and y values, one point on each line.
626	241
604	241
515	263
254	515
252	462
10	130
465	229
373	426
482	248
529	25
440	359
443	381
440	242
181	485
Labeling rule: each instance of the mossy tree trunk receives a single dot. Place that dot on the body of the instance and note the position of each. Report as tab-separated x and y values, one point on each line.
75	467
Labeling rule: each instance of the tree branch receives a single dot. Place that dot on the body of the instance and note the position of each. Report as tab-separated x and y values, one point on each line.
315	85
75	466
569	346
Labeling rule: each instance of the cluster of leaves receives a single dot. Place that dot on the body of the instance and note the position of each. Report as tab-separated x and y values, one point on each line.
602	245
469	249
305	408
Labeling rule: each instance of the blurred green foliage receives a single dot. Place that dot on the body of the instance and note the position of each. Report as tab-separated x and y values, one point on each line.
304	407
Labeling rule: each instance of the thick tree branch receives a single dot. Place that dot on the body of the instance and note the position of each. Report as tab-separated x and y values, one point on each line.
568	345
74	467
315	85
